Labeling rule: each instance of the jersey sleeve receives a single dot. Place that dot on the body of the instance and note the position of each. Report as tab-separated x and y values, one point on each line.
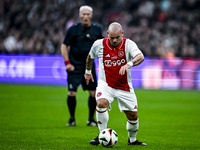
133	48
94	51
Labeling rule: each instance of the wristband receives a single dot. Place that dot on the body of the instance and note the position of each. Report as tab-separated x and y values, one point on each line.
130	63
88	71
67	62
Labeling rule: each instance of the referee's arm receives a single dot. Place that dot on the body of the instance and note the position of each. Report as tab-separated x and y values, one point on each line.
64	52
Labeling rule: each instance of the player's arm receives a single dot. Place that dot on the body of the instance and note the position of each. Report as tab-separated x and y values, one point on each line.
64	52
88	72
138	59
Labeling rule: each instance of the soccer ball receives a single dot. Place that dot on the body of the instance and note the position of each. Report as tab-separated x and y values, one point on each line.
108	137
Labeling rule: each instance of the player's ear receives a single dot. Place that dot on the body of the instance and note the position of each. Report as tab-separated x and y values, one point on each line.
107	32
122	32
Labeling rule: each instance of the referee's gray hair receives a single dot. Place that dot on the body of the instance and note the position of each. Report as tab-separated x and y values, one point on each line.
86	7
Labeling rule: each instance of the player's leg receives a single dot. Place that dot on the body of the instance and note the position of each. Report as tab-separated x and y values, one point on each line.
102	113
132	126
104	96
104	99
128	104
102	117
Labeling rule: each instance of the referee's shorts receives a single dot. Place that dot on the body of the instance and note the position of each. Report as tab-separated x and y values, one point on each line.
76	78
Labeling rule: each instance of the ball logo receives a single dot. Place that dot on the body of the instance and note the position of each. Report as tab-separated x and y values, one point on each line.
120	53
109	63
99	94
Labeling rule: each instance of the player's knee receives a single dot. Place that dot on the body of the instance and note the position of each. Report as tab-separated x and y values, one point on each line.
131	115
102	103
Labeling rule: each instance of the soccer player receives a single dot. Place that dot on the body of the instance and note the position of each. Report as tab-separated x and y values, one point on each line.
78	40
115	60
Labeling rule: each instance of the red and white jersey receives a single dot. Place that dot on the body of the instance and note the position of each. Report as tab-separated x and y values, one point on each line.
111	59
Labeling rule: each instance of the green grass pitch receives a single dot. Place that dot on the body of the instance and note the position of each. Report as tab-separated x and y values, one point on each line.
34	117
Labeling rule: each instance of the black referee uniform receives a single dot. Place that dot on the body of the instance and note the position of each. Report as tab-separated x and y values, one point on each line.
80	40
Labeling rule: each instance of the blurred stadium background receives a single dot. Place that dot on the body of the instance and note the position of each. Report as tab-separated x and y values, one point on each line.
168	32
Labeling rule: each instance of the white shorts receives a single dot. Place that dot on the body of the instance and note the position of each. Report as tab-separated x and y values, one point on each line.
126	100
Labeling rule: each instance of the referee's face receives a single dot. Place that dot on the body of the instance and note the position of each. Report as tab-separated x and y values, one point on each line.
85	16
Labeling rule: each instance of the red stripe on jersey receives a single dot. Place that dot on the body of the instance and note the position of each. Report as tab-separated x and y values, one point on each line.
113	59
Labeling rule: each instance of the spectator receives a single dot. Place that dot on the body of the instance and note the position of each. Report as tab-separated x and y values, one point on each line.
156	19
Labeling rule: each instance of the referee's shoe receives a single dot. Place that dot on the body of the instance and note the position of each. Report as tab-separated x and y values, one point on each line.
71	122
92	123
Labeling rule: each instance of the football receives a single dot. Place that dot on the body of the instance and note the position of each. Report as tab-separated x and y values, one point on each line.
108	137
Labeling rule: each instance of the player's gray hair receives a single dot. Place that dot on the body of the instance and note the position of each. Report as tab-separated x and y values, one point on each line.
86	7
115	26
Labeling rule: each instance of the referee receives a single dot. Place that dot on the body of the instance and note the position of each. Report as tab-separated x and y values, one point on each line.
75	48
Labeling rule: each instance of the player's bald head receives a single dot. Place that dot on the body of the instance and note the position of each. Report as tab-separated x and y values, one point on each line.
115	26
115	33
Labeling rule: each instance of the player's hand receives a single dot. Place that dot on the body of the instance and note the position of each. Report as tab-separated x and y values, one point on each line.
69	67
88	77
124	69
